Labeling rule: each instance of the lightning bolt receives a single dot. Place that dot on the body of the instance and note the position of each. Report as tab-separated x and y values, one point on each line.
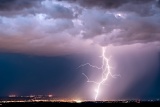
106	72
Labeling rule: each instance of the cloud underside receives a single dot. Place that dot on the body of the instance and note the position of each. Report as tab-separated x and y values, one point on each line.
45	25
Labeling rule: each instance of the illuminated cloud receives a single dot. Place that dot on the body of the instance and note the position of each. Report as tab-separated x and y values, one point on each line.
63	26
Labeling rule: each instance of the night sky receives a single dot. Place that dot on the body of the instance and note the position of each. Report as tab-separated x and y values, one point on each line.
43	42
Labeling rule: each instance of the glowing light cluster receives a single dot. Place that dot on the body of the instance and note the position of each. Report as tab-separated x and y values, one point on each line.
106	72
78	101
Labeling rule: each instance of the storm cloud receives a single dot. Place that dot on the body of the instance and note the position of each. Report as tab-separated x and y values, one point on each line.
11	5
64	26
107	3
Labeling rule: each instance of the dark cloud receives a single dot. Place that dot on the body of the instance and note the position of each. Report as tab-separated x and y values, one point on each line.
102	3
10	5
9	8
107	3
141	7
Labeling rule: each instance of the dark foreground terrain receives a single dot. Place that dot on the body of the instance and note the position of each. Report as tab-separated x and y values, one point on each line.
68	104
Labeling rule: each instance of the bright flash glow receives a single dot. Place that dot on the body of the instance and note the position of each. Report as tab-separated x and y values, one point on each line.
78	101
106	72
